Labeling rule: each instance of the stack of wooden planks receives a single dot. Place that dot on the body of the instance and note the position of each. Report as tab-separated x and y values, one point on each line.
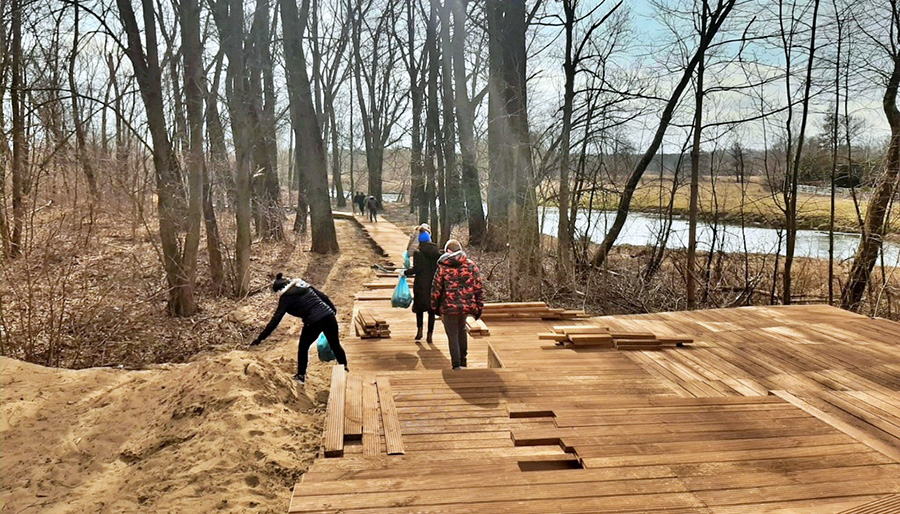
476	327
369	327
528	310
603	337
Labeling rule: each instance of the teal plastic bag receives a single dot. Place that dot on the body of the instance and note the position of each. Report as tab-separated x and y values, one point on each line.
402	295
406	260
325	353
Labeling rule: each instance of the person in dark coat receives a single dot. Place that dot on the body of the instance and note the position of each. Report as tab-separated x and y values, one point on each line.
298	298
372	207
424	266
360	201
456	293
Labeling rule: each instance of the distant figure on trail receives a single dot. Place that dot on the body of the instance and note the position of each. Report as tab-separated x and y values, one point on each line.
414	238
425	262
359	202
456	293
298	298
372	207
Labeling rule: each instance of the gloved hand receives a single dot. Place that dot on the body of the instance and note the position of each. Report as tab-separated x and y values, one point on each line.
255	342
478	315
403	272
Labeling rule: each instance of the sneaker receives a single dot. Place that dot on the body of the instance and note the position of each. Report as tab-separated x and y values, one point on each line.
419	335
300	378
428	339
346	369
455	367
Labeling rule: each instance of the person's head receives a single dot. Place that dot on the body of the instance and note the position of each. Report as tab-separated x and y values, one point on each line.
424	237
452	246
424	228
280	282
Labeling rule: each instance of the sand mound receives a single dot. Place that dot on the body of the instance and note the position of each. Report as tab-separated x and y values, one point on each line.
229	431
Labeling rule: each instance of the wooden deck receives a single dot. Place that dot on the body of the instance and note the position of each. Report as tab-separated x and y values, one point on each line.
771	409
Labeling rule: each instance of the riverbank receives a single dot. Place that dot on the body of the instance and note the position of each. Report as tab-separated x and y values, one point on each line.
728	201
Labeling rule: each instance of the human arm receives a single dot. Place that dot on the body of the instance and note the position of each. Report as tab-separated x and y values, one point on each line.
416	265
437	291
478	289
273	323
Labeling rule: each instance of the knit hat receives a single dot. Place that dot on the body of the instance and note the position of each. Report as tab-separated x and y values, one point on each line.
424	228
280	283
424	237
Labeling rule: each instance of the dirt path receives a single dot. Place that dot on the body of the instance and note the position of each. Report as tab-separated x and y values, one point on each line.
228	431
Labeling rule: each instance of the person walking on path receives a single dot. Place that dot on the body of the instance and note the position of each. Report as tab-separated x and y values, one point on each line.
456	293
372	207
298	298
360	201
425	259
414	238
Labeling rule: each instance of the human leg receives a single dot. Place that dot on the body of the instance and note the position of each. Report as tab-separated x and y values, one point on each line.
451	326
329	327
308	335
463	341
430	324
419	320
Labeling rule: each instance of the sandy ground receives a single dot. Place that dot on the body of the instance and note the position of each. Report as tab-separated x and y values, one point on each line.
227	431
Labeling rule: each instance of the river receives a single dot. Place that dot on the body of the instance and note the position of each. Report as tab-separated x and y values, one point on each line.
641	229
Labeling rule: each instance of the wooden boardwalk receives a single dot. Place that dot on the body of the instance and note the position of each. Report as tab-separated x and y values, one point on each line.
771	409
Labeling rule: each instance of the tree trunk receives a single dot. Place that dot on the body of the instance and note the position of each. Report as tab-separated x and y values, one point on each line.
307	132
500	193
168	173
20	145
336	179
691	268
80	145
795	169
229	20
432	120
465	119
873	230
563	231
192	52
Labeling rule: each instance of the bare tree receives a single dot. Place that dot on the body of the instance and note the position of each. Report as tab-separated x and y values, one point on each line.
465	118
887	40
169	189
717	16
310	146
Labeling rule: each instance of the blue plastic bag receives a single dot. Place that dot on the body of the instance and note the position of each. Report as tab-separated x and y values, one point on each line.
325	353
402	295
406	260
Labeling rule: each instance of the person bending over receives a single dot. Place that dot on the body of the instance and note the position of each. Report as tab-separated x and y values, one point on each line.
298	298
456	293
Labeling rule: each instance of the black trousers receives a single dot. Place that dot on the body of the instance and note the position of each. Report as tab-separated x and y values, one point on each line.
327	325
420	318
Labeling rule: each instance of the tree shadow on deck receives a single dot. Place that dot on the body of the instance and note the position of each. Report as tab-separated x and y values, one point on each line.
483	387
431	356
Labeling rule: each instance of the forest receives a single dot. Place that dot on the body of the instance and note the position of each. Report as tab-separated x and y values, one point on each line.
161	160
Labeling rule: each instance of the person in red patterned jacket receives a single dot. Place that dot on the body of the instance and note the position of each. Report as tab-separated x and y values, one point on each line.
456	292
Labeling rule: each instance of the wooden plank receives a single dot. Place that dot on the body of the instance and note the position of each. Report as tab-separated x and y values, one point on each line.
370	437
353	412
392	435
876	444
493	358
884	505
334	413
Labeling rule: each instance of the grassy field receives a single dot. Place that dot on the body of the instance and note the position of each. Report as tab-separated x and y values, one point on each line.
760	206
